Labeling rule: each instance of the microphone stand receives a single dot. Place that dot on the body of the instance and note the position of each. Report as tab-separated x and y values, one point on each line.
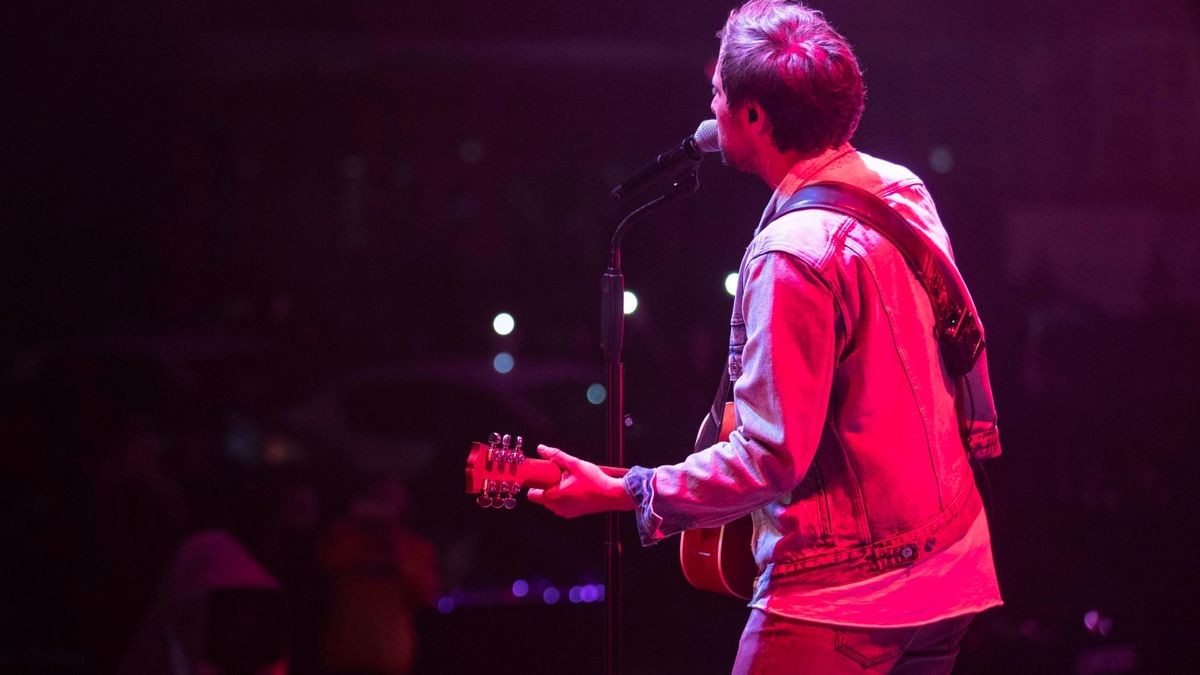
612	338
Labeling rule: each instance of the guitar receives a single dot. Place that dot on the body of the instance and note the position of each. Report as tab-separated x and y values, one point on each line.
716	559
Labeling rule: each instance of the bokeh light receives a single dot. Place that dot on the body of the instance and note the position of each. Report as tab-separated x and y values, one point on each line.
504	323
631	302
596	393
941	159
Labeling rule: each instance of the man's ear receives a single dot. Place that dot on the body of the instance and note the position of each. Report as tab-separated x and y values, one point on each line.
757	118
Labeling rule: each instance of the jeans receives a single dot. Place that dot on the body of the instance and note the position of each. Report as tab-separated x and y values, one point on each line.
776	645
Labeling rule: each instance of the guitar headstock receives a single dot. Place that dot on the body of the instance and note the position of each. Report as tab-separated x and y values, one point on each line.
498	470
494	471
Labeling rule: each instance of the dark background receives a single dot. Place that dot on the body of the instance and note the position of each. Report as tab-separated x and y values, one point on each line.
252	251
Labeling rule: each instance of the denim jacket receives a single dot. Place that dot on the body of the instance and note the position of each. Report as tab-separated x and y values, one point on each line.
847	449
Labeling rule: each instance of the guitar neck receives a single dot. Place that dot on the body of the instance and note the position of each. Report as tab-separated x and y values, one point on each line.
541	473
491	469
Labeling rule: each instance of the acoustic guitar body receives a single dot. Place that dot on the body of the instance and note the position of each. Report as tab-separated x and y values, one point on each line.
719	559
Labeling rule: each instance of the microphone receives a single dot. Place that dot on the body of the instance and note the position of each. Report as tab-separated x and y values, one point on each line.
674	161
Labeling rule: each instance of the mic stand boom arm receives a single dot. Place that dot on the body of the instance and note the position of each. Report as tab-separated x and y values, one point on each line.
612	338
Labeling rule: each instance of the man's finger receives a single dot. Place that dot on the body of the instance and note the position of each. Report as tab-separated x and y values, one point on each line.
538	496
557	456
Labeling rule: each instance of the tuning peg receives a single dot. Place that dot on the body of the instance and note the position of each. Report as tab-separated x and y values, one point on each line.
484	501
506	441
494	439
510	502
520	444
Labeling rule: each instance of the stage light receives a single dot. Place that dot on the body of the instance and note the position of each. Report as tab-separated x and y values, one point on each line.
551	595
520	588
575	595
503	363
504	323
631	302
590	593
596	393
731	283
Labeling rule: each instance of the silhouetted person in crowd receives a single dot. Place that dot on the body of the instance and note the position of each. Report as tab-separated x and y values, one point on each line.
217	612
383	572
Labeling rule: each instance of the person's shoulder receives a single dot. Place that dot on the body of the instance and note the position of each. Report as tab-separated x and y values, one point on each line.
879	176
807	234
902	190
813	235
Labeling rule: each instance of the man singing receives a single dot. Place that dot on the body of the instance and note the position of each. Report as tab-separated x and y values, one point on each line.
852	436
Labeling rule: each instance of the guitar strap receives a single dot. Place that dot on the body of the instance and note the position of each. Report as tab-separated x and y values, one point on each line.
958	330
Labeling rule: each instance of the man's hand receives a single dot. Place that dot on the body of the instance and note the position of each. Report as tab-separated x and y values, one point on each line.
583	489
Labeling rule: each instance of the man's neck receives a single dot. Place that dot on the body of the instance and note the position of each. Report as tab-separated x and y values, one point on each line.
797	168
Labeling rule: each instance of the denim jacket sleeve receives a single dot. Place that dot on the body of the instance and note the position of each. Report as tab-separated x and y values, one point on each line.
782	380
